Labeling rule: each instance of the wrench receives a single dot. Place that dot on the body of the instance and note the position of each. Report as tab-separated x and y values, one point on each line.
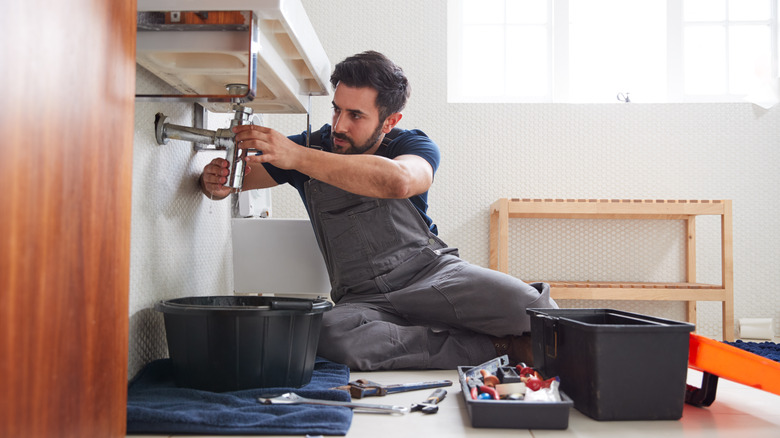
430	405
291	398
365	388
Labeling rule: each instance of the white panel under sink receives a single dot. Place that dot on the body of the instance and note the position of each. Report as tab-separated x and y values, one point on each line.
292	64
254	203
277	257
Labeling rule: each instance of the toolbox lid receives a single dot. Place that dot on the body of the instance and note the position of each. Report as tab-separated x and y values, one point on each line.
609	320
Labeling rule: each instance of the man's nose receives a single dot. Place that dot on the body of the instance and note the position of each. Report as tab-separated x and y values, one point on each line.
339	124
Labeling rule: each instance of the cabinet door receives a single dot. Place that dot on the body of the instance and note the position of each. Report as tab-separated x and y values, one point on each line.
66	118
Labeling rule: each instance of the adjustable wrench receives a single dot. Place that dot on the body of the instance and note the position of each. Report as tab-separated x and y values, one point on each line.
430	405
292	398
365	388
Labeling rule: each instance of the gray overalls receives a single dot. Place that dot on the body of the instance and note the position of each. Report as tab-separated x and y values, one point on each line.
403	298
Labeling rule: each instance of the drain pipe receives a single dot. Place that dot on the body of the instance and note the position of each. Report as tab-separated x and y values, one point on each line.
222	139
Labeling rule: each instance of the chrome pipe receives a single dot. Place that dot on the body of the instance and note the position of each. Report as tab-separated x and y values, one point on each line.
164	131
222	139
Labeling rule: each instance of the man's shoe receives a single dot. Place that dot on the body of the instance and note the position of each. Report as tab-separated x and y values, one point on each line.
517	348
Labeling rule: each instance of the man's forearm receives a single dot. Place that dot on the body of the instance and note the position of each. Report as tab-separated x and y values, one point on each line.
367	175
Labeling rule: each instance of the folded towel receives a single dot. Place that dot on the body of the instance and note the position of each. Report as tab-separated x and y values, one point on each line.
156	405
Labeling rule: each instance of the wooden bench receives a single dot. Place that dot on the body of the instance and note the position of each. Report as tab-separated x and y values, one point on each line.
686	210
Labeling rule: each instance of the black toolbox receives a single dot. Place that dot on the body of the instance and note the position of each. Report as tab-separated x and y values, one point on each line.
614	365
512	414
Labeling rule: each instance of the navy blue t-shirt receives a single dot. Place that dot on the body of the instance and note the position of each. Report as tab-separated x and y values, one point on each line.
408	142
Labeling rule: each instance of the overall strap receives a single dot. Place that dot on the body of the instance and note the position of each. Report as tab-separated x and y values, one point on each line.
315	140
388	138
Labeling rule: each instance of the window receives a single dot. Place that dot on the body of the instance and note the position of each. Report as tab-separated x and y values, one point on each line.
728	47
500	50
610	50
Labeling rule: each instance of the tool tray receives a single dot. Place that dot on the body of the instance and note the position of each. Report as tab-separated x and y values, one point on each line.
513	414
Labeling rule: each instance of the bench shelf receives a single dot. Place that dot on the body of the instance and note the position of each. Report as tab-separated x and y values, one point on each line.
686	210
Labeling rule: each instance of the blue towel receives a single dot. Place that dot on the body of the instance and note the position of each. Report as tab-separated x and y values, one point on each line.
156	405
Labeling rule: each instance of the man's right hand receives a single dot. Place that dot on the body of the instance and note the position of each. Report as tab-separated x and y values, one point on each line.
214	177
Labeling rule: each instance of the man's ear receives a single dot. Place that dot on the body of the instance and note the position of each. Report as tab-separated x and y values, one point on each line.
390	122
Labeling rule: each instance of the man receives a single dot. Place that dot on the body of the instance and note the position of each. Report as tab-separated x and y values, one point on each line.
403	298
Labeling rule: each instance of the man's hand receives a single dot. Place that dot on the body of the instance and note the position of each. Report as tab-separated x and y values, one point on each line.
214	177
275	147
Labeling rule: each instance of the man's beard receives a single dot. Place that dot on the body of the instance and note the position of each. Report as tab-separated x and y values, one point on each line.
352	149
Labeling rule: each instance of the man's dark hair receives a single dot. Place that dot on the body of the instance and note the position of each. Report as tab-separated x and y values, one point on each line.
375	70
